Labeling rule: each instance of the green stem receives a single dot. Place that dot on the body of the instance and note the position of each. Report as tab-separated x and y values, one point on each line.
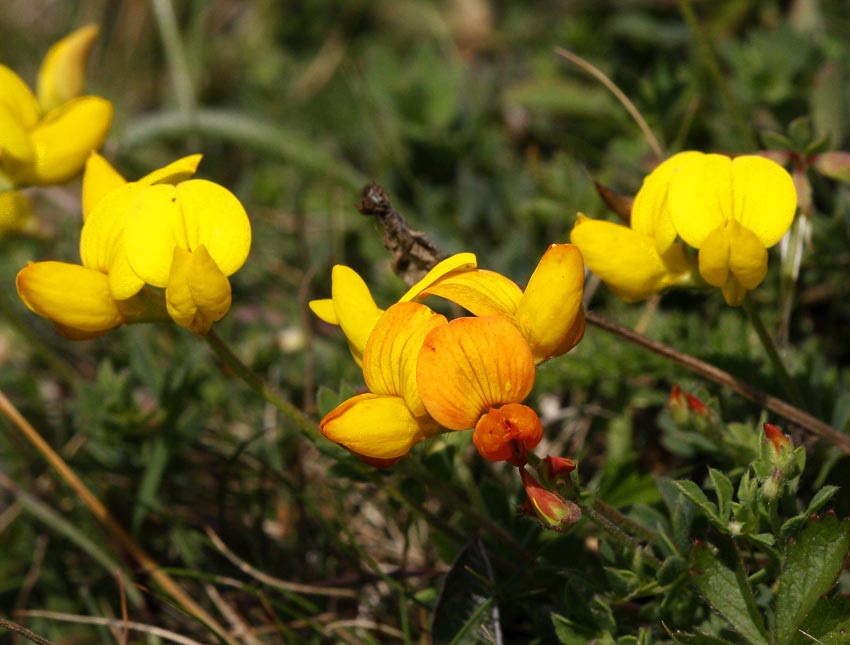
626	524
298	418
175	54
773	354
710	61
617	532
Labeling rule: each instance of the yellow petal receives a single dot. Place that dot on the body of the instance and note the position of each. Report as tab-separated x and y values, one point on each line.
548	310
650	211
714	256
482	292
627	261
355	309
15	212
376	426
63	70
700	197
70	295
17	154
470	365
198	293
765	197
389	359
212	216
99	177
17	98
457	263
747	256
153	227
173	173
324	310
66	136
734	292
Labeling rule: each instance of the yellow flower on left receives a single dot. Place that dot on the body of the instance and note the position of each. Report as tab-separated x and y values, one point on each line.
46	140
183	235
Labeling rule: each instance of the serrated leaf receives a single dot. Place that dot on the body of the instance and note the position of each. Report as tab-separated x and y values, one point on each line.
724	490
694	493
812	564
728	592
466	612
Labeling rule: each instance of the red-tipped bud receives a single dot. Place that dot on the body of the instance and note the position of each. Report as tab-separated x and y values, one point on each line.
551	509
778	439
507	433
685	407
555	469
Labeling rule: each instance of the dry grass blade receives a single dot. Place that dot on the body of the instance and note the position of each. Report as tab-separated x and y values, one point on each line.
110	622
23	631
271	581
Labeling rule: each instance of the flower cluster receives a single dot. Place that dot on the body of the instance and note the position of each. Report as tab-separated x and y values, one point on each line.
165	230
730	209
426	374
45	139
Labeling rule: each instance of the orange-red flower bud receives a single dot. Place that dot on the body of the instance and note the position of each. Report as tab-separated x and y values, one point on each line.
556	468
553	510
778	439
507	433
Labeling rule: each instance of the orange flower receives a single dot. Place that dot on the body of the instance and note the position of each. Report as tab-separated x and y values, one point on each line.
507	433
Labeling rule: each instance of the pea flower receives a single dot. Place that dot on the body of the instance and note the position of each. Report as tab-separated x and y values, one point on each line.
732	210
165	230
46	140
641	259
382	425
548	313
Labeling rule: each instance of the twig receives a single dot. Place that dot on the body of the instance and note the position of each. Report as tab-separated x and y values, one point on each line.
23	631
618	93
778	406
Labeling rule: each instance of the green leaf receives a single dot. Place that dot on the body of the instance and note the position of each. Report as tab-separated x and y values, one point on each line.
157	459
812	564
828	622
694	493
821	498
728	592
724	489
701	639
465	611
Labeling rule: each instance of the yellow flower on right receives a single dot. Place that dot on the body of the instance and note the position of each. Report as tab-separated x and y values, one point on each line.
732	210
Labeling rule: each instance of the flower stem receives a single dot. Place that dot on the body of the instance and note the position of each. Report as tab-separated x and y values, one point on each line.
617	531
146	562
709	371
235	364
769	345
175	54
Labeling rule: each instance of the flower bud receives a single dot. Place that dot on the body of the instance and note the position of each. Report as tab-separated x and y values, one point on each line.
778	439
507	433
555	469
551	509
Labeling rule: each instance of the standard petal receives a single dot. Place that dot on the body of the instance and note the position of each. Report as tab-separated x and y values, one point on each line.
355	309
173	173
627	261
99	178
153	227
376	427
700	197
482	292
391	353
747	256
714	256
63	70
212	216
70	295
547	312
765	197
18	99
66	136
650	211
198	293
457	263
470	365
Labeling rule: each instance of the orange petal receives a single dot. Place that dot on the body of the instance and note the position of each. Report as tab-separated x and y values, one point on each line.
482	292
457	263
389	359
506	433
470	365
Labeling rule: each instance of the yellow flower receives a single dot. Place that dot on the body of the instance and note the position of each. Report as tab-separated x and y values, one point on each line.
732	210
46	140
16	213
165	230
352	307
643	258
381	426
549	313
